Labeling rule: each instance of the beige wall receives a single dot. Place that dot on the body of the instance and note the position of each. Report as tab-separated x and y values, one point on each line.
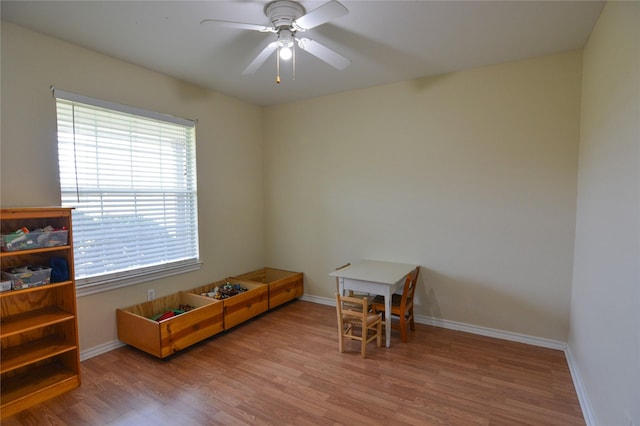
605	312
471	175
229	150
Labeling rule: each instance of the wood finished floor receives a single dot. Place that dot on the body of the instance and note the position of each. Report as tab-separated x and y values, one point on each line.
283	368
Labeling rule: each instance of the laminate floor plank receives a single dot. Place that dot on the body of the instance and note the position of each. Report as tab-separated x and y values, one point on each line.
284	368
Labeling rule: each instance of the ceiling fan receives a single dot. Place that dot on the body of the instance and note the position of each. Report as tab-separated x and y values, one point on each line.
288	18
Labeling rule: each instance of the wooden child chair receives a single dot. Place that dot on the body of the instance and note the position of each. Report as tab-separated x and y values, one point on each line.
401	305
352	314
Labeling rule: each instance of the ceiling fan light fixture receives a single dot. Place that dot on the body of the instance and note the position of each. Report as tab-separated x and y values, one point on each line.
285	43
285	53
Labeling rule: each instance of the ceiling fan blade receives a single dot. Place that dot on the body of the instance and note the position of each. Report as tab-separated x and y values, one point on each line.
259	60
321	51
240	25
319	16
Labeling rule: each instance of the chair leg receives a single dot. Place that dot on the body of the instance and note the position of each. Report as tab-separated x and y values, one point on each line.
379	337
341	333
363	344
403	329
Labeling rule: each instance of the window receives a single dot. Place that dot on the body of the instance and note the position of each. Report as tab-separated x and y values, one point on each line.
131	177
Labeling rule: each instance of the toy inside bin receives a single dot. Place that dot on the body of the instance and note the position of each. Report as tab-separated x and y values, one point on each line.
27	276
33	240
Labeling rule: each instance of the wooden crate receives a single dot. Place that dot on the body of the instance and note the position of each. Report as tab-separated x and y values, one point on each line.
283	285
243	306
166	337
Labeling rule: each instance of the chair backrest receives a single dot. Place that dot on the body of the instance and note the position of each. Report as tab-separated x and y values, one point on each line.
338	279
409	290
351	309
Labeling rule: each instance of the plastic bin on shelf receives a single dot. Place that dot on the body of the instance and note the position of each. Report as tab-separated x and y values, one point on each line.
33	240
27	276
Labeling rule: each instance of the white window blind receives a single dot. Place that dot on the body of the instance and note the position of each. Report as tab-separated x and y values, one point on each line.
131	177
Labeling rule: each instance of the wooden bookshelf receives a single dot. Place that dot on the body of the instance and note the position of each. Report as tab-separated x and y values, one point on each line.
38	325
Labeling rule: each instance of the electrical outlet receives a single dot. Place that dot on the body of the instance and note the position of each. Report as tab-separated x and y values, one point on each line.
151	294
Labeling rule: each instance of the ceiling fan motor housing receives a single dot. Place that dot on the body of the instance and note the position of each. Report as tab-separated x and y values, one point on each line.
282	13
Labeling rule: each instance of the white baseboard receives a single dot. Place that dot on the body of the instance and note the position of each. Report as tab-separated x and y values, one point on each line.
491	332
100	349
318	300
581	391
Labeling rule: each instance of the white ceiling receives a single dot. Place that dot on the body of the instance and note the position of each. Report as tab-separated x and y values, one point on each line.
387	41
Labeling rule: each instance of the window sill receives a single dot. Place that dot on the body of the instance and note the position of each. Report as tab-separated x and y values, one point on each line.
129	278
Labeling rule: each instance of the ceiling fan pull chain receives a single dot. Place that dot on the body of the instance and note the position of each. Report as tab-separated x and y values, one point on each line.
278	65
293	62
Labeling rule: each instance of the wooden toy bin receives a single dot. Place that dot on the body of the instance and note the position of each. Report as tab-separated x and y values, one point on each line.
242	306
283	285
166	337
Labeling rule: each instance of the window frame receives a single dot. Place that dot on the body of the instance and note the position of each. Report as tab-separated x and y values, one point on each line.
118	279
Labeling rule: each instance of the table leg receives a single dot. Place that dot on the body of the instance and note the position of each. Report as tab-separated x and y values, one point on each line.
387	317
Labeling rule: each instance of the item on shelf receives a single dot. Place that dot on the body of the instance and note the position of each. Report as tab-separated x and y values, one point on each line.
5	285
59	269
26	239
27	276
